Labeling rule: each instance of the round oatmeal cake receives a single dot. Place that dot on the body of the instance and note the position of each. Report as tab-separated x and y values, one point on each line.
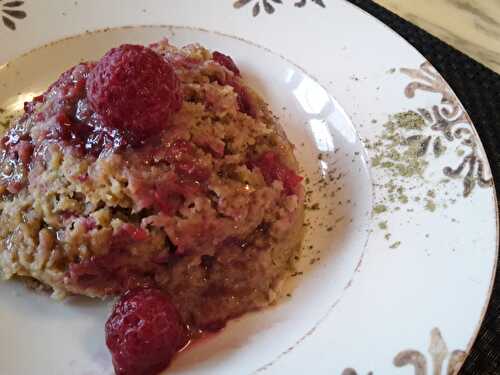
208	207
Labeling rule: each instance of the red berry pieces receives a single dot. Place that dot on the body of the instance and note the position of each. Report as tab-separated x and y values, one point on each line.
245	103
136	234
272	169
29	107
226	61
181	155
134	89
144	332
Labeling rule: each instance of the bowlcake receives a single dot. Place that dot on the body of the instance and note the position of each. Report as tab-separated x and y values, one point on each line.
208	207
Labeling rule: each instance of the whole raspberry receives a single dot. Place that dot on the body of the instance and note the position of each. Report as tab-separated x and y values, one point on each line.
144	332
134	89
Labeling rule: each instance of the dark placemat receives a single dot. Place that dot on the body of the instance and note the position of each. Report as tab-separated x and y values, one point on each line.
479	91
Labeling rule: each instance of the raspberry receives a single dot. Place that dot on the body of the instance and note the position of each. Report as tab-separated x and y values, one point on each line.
144	332
272	169
226	61
134	89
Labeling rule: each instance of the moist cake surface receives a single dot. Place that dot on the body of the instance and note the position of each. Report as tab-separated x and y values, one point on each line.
208	208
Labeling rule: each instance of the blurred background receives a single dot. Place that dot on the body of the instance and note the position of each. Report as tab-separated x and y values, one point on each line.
471	26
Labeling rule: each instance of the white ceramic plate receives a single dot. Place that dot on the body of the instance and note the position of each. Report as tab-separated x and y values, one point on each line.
400	250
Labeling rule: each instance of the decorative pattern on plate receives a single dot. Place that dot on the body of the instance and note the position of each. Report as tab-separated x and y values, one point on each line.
351	371
438	352
10	12
269	5
450	119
